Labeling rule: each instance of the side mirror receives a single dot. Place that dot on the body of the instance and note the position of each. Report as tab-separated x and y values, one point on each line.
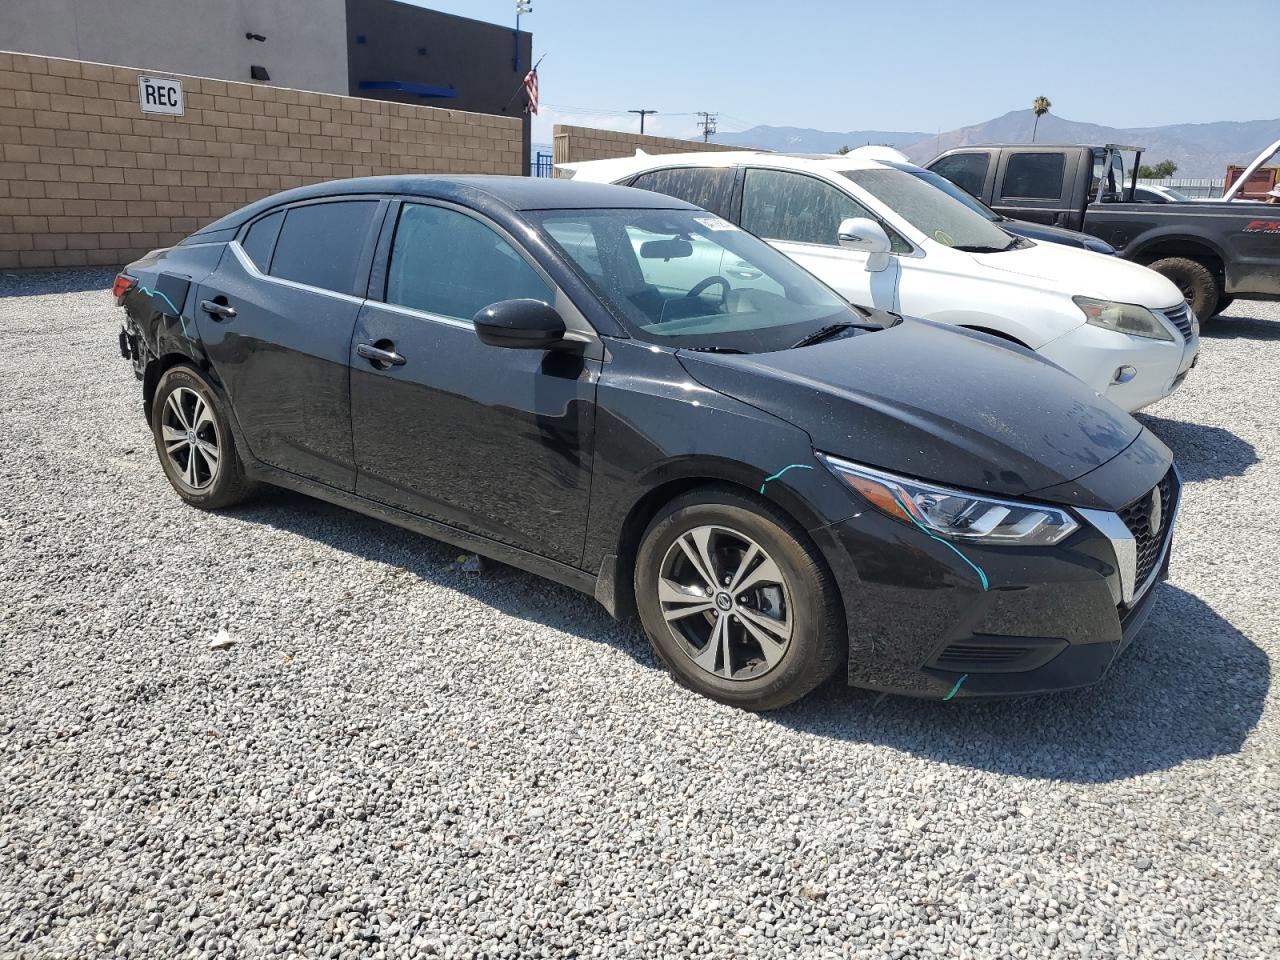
862	234
521	324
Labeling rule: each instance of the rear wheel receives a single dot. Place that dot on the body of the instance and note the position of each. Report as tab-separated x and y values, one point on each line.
736	601
194	442
1223	303
1196	281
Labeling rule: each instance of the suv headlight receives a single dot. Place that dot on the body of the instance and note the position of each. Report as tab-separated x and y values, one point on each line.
1127	318
955	514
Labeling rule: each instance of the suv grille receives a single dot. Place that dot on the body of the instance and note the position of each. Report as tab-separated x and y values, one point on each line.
1137	517
1180	317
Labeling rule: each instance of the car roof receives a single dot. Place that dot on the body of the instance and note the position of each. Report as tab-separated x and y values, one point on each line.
489	194
613	169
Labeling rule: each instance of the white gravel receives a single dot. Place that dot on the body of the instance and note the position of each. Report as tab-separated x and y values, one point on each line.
393	757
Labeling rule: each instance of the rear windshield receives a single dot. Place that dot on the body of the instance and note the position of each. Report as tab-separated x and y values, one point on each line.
934	213
691	279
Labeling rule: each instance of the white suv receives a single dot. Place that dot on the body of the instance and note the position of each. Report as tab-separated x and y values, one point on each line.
886	238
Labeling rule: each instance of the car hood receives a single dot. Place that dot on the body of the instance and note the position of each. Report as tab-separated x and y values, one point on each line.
932	402
1079	272
1050	234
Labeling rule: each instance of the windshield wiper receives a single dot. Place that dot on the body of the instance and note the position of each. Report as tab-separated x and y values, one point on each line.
713	349
825	333
983	248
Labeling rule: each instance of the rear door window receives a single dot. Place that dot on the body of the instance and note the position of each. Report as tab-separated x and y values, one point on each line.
323	244
968	171
261	240
708	187
1033	176
452	265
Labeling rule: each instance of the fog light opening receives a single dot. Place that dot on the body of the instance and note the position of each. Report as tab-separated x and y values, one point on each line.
1124	374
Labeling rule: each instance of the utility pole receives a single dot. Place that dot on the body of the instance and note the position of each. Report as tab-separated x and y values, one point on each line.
522	6
643	114
708	124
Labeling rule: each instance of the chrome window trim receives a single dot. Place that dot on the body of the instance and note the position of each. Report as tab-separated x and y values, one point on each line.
252	269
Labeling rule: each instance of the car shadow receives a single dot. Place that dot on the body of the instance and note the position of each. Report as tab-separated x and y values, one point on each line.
1203	452
43	283
1191	686
1228	327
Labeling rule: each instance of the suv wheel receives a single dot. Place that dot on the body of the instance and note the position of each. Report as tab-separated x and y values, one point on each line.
736	601
194	442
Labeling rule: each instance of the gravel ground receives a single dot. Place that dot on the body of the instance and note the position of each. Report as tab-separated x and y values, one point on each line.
399	758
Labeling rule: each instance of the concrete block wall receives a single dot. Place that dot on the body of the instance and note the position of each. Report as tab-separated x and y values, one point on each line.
574	144
87	178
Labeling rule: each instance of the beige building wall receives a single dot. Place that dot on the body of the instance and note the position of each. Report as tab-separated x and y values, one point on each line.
574	144
87	178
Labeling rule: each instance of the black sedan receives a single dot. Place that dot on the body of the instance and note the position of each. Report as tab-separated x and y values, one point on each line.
631	396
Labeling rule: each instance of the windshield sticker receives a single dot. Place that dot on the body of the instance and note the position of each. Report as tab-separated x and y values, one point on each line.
715	223
943	237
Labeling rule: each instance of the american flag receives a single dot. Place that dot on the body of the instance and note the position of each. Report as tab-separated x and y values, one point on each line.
531	87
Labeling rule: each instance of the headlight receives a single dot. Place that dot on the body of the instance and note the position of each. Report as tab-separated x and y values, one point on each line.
1123	318
955	514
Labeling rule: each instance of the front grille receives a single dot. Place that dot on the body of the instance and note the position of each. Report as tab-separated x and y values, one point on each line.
963	654
1180	317
1137	517
992	653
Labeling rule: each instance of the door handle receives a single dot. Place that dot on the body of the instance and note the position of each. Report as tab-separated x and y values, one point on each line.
219	310
380	354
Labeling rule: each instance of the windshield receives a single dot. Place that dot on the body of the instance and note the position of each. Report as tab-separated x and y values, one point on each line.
937	215
951	190
687	278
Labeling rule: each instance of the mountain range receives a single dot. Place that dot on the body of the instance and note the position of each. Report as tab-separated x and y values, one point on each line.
1199	149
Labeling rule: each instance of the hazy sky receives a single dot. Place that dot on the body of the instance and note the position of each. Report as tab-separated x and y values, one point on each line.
888	65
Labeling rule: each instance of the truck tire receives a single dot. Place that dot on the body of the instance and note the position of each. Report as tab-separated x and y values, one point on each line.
1223	303
1198	284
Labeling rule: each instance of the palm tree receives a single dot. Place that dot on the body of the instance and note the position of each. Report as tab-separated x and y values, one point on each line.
1040	106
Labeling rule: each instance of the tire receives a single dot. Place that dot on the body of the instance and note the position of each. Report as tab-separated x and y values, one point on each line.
786	631
194	442
1223	303
1198	285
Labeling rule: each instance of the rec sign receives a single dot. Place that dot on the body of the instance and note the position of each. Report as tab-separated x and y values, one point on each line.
160	95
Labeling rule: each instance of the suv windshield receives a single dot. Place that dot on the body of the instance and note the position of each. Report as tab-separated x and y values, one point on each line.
688	278
934	213
951	190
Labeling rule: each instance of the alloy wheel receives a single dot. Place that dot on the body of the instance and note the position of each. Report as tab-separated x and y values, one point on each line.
190	436
726	602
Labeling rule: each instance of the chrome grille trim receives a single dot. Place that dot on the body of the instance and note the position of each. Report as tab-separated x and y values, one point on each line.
1125	544
1182	319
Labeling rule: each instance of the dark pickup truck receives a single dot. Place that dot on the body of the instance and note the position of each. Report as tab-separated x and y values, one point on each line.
1213	251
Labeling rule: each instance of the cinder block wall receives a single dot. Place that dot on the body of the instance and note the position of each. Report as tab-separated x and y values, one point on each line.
573	144
87	178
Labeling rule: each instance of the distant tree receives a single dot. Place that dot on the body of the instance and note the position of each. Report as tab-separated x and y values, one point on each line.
1163	169
843	150
1040	106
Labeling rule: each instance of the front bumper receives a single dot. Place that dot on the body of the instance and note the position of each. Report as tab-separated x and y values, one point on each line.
1094	355
1050	619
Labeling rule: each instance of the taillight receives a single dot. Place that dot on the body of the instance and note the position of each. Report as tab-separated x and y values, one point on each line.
124	283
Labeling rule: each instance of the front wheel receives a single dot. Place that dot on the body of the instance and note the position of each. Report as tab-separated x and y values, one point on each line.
1196	281
194	442
736	601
